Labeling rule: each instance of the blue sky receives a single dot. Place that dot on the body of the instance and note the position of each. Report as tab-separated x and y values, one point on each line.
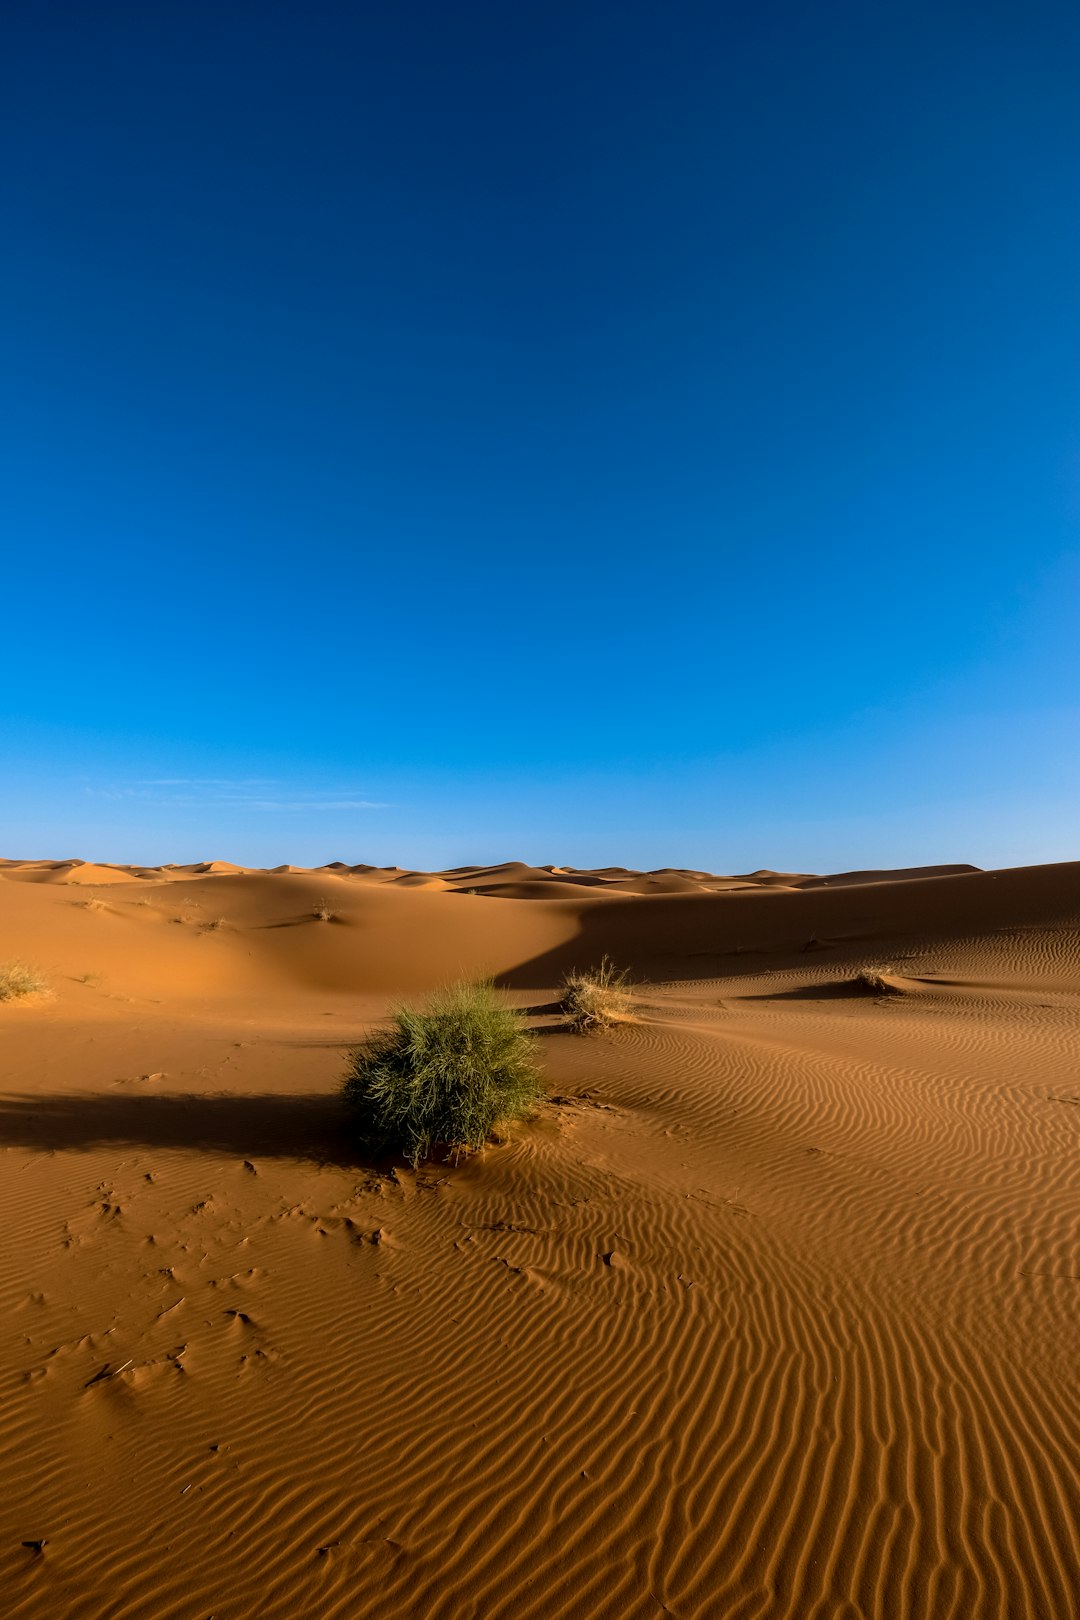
591	433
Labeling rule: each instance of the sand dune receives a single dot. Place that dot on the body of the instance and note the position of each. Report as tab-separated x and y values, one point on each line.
772	1312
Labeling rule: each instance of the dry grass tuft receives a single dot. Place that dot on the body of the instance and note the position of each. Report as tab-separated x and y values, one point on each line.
322	912
873	978
597	999
92	904
19	979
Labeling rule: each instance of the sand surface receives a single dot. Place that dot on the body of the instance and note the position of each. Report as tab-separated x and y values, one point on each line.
772	1311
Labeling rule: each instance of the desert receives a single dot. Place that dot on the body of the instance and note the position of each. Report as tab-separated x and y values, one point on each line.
539	899
768	1308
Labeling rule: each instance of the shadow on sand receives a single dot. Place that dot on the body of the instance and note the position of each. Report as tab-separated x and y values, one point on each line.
264	1126
850	989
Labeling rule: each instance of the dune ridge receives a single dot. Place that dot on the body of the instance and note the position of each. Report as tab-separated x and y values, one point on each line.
468	879
771	1312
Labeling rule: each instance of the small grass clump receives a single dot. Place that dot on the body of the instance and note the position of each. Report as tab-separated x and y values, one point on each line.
19	979
443	1075
322	913
873	978
598	998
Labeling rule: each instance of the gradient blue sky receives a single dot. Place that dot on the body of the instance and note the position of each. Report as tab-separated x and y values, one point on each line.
592	432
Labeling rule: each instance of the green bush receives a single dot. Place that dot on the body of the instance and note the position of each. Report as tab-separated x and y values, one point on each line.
443	1074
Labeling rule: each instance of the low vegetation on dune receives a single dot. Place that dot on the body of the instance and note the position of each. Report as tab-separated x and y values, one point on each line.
444	1074
874	978
598	998
19	979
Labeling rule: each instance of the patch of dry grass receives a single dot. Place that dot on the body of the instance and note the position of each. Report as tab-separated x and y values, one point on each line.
322	913
19	979
597	999
873	978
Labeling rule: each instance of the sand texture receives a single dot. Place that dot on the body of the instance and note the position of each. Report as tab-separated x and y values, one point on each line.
771	1312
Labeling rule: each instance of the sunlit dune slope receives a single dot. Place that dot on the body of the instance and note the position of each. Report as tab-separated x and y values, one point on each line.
198	930
770	1312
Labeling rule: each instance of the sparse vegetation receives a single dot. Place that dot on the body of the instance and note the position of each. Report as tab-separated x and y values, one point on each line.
214	924
598	998
322	913
19	979
92	903
442	1075
873	978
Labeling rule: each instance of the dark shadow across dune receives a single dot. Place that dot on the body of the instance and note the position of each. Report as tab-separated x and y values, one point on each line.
246	1127
668	938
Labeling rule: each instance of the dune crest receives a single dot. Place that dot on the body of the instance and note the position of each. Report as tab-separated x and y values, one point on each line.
512	878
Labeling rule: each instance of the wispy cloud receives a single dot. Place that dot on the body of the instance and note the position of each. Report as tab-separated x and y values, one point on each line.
226	782
318	804
248	794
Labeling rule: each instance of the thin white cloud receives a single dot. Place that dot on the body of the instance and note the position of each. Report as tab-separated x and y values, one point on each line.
317	804
248	794
210	782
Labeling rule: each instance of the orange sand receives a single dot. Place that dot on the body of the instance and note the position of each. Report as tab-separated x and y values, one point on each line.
772	1312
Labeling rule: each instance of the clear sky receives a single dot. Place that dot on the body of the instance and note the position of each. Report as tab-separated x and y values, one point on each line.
586	432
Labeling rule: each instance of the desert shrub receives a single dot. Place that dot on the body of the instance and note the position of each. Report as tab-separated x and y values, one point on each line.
445	1073
322	912
873	978
598	998
19	979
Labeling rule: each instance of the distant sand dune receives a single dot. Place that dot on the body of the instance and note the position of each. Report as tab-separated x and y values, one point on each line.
771	1313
